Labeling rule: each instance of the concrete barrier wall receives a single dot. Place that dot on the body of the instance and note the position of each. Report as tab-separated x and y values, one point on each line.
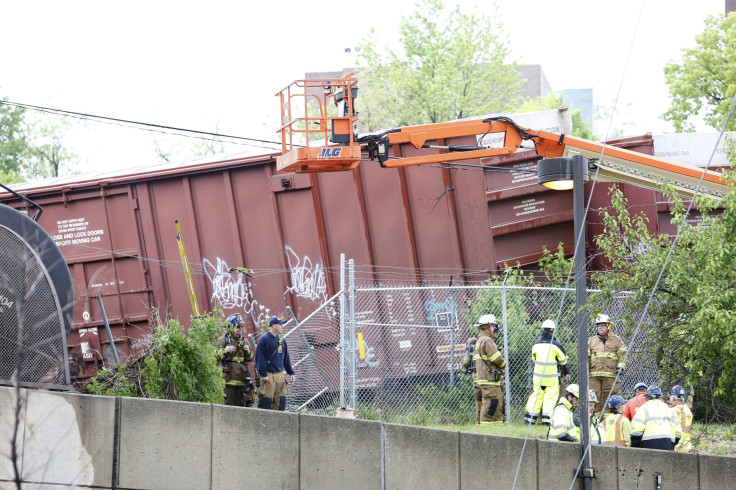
638	468
717	471
64	439
7	424
419	458
254	449
85	441
165	444
339	453
491	462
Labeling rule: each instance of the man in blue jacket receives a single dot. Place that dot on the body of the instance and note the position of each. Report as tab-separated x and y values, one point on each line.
272	359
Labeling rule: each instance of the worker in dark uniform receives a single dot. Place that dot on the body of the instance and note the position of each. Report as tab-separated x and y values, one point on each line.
272	359
234	354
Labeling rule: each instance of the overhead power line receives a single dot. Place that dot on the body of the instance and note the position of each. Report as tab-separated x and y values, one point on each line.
88	116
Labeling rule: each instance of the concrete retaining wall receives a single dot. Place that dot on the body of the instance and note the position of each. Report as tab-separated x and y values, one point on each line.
76	440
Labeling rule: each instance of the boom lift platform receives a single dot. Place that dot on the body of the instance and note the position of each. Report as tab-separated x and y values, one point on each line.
326	140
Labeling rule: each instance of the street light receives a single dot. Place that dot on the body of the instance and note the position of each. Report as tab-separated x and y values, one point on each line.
565	174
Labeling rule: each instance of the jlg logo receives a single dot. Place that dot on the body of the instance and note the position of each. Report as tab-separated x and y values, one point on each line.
330	152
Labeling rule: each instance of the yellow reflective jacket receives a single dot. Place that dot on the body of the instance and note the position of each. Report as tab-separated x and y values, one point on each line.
561	424
547	354
655	426
489	363
683	413
618	430
596	431
605	357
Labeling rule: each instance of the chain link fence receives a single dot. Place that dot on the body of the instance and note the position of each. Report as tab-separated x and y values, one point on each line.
313	346
32	337
412	340
397	353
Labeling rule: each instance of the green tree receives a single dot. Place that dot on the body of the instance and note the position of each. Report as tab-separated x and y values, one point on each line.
705	81
694	303
12	143
31	146
45	153
453	65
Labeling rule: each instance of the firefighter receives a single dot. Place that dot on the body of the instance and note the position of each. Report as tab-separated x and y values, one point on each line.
606	354
547	355
639	399
234	354
685	416
489	371
617	427
655	425
597	435
562	425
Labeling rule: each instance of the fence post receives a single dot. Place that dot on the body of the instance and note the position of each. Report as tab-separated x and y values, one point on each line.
506	347
343	345
353	336
453	324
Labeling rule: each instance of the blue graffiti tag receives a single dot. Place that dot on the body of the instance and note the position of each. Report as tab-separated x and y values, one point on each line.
433	307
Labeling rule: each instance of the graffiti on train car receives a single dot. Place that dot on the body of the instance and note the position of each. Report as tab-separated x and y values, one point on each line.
233	290
307	279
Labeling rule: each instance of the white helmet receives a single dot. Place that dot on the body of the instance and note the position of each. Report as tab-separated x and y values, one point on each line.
488	319
592	397
548	324
604	319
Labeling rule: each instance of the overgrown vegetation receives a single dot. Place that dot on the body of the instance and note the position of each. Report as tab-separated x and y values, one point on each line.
178	364
705	82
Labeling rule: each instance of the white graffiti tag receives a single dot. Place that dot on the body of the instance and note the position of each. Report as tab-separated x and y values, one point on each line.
230	290
233	290
307	280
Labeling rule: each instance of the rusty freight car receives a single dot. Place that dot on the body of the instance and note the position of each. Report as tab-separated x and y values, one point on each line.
118	236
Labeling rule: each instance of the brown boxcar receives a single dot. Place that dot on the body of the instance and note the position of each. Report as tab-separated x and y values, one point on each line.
414	225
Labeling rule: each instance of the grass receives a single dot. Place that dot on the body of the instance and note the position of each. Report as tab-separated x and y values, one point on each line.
718	439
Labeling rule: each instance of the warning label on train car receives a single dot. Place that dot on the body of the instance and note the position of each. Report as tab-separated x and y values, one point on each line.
76	231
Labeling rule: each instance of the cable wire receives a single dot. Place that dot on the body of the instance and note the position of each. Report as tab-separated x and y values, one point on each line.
204	135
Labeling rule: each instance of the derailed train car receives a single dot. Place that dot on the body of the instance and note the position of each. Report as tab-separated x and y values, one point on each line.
117	233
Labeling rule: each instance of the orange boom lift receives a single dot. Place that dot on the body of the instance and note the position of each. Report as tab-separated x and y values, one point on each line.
323	138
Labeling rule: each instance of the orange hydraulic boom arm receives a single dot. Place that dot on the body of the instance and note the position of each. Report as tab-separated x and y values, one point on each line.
609	163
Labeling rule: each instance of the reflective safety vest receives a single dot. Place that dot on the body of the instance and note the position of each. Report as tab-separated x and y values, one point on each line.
657	424
618	430
683	413
547	355
561	425
489	362
597	435
605	357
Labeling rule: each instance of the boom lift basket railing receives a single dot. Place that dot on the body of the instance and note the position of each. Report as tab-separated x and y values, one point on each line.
319	125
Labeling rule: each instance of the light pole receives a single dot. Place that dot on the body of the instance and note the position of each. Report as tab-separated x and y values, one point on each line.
564	174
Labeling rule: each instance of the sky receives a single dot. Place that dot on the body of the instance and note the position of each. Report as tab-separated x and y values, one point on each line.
217	65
